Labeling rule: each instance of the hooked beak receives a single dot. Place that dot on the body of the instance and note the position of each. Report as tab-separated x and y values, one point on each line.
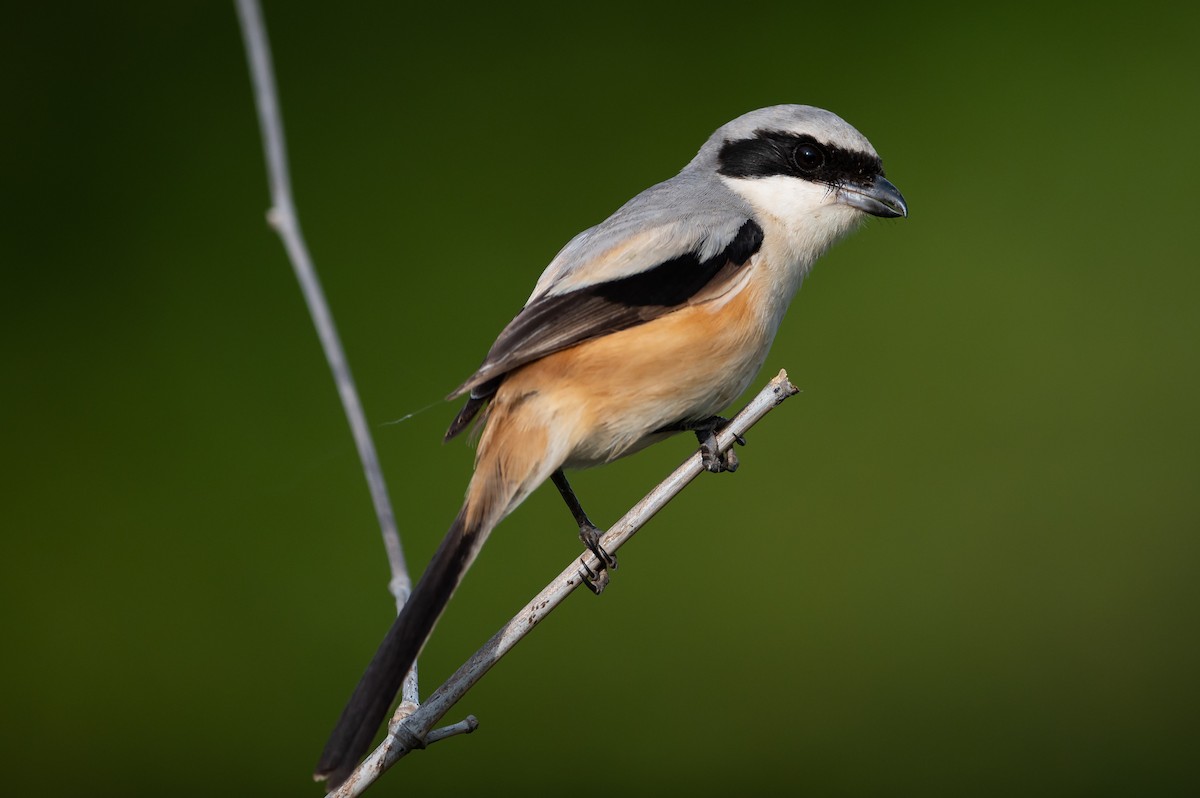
880	198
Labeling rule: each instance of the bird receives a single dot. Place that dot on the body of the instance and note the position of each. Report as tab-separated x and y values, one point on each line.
646	325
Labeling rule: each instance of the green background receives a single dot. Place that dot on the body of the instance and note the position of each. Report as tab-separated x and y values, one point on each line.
961	562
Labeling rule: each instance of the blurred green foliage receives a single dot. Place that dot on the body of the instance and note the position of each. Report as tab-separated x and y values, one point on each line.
962	562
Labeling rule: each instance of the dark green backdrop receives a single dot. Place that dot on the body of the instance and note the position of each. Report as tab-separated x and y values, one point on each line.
962	562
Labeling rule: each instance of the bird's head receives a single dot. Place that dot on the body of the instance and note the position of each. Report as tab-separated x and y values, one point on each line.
804	168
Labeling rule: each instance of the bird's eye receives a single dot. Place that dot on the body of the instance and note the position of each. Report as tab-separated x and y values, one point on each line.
808	157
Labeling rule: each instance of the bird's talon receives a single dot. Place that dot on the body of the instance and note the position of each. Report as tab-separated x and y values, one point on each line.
713	459
710	461
716	461
595	579
590	536
592	580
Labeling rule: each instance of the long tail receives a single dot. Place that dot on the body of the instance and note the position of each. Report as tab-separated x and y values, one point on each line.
513	458
378	686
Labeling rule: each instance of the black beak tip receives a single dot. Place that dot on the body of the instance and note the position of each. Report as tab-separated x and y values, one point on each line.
878	198
891	201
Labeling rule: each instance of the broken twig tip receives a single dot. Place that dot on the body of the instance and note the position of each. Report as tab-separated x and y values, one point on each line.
783	386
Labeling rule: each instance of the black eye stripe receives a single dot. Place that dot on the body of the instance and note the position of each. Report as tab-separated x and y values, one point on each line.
775	152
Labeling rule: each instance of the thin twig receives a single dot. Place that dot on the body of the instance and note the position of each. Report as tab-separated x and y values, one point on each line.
414	730
282	216
413	727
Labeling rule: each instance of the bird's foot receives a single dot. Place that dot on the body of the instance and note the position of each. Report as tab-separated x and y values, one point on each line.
595	580
713	459
590	536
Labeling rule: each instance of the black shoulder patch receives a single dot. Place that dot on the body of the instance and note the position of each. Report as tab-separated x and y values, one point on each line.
676	281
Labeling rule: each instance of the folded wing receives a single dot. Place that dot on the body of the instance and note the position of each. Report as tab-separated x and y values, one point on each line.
555	320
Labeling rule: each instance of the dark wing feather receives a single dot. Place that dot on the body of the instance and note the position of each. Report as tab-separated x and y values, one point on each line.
552	323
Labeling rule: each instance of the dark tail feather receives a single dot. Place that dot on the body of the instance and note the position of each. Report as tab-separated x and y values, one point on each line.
464	417
377	689
478	397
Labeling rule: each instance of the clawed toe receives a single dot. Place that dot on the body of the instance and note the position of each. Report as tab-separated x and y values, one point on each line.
594	581
590	536
715	460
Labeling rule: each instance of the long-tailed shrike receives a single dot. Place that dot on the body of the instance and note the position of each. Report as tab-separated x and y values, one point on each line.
649	323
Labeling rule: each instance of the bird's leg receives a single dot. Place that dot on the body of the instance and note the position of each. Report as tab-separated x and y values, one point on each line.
588	533
706	430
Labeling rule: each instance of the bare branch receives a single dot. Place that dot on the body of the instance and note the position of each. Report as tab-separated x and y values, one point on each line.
413	724
414	731
282	216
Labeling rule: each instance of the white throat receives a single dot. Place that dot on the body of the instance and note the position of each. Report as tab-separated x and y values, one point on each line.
804	219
